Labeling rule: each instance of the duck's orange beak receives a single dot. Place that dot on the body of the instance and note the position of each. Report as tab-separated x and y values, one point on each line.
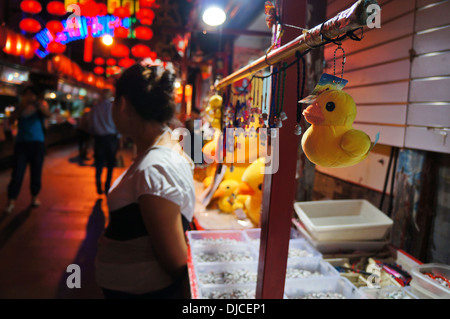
313	114
218	193
245	189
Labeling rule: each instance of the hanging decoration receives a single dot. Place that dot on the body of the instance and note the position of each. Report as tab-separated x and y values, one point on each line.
90	8
122	12
16	44
126	62
121	32
111	62
56	47
99	70
99	61
143	33
331	140
55	26
56	8
146	3
142	51
145	13
31	6
30	25
120	51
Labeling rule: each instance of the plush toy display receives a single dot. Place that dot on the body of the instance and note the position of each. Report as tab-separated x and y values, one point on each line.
226	195
331	140
249	193
214	111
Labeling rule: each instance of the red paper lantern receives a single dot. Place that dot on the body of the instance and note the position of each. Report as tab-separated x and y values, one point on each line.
143	33
56	8
99	61
111	62
120	51
146	3
126	63
121	32
31	6
153	55
146	21
102	9
89	9
10	42
141	51
145	13
55	26
30	25
27	49
122	12
56	47
109	71
99	70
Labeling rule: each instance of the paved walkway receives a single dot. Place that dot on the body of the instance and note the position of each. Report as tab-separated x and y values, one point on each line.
37	245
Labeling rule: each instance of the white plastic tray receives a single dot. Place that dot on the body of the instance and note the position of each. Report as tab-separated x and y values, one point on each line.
313	265
226	291
341	246
426	287
302	287
343	220
380	293
217	237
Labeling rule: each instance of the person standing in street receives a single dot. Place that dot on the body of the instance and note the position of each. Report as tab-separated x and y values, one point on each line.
29	146
106	140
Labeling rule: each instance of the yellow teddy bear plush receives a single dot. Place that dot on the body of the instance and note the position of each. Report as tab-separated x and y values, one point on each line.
331	141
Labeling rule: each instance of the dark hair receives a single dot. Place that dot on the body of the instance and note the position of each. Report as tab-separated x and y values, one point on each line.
149	93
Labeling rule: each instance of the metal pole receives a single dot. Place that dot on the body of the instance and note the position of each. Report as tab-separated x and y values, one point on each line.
348	20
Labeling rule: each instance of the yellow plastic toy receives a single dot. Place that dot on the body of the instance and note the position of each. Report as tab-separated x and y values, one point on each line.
225	194
214	110
331	140
249	196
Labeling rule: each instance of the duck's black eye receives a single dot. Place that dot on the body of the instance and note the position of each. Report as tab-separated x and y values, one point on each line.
260	186
330	106
228	187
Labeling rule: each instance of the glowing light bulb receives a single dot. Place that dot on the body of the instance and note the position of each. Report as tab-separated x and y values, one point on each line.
107	39
214	16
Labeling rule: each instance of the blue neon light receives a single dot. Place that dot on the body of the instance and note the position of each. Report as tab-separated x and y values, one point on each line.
98	26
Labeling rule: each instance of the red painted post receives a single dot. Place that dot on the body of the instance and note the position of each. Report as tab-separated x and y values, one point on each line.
279	188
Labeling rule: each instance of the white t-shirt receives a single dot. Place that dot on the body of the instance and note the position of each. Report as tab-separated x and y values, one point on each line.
125	258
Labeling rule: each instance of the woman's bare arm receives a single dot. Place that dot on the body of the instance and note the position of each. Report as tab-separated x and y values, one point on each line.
162	219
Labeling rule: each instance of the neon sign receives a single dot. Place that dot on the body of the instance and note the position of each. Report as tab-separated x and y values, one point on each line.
82	28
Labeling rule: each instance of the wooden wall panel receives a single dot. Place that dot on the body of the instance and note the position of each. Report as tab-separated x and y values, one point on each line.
383	114
385	94
430	90
432	41
434	64
434	16
435	140
391	31
394	71
389	135
390	51
428	114
422	3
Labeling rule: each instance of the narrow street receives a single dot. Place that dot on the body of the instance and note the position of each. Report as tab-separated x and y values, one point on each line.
37	244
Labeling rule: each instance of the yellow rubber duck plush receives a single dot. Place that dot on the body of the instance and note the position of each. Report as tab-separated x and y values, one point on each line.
225	194
215	111
249	196
331	140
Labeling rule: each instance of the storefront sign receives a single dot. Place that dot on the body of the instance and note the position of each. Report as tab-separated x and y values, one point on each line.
82	28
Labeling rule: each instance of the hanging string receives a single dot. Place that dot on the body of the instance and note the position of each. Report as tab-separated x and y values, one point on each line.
298	126
272	96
